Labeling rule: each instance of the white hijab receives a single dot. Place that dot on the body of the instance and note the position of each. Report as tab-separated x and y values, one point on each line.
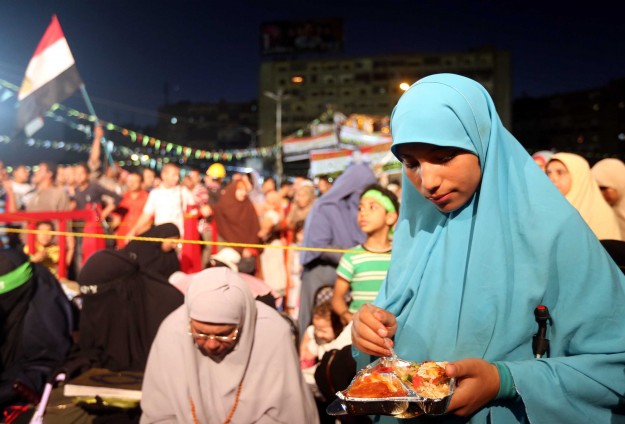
264	360
611	173
586	197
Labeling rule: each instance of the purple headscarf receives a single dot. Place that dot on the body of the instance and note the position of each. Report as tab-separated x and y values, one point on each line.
333	219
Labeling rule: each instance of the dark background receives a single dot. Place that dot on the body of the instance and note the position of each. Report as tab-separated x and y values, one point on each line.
135	56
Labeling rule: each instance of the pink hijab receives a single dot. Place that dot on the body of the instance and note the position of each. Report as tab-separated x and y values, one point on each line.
611	173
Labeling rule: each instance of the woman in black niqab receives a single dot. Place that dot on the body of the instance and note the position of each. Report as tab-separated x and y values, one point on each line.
158	257
123	306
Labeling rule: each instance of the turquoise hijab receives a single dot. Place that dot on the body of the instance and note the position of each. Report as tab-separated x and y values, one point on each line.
465	284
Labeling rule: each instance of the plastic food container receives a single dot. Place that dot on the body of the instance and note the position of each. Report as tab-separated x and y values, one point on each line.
400	400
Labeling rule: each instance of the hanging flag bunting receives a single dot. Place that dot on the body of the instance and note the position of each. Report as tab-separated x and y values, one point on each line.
51	77
5	94
145	140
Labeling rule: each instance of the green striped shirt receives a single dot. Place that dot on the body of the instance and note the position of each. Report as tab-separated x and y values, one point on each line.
365	273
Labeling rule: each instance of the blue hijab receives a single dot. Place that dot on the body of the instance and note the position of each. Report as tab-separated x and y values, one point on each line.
465	284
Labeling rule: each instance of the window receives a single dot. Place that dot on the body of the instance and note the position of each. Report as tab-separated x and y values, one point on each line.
432	60
362	77
347	79
378	89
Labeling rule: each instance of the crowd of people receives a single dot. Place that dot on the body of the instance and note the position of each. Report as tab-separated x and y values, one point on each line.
446	264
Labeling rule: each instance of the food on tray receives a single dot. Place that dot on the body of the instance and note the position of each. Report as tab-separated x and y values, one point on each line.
400	378
427	379
397	388
376	384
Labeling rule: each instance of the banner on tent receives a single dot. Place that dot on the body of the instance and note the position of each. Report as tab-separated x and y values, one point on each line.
331	161
297	148
351	135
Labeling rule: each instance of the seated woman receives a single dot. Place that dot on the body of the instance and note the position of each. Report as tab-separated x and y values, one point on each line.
123	305
224	356
571	175
159	257
35	326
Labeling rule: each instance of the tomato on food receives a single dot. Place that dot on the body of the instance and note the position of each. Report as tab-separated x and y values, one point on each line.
416	381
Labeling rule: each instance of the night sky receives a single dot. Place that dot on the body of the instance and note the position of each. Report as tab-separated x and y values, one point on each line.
209	50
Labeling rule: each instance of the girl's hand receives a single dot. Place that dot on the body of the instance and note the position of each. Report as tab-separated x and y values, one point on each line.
371	325
477	383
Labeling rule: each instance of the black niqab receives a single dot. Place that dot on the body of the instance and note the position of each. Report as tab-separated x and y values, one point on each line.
150	255
123	306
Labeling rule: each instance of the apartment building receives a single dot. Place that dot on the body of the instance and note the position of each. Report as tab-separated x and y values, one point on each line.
366	85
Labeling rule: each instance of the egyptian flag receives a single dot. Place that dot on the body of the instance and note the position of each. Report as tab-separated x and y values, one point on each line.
51	77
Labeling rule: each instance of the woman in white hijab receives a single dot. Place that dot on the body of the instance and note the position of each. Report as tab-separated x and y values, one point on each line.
224	358
610	175
571	174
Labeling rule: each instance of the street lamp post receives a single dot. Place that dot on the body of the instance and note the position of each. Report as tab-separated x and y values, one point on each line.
278	97
253	134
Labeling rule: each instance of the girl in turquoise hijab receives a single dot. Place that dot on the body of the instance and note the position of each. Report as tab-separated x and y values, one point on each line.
484	237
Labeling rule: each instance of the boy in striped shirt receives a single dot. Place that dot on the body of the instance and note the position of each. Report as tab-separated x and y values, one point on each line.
362	270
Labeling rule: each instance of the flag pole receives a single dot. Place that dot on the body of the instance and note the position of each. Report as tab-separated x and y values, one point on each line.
91	110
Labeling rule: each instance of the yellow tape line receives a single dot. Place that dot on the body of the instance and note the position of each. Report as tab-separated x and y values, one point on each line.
201	242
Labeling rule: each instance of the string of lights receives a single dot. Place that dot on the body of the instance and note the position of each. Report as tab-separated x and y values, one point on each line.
160	147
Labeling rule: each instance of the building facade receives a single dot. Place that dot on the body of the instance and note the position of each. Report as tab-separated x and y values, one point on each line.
367	85
212	126
588	122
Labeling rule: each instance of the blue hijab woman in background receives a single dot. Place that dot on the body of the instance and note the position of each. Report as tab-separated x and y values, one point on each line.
484	237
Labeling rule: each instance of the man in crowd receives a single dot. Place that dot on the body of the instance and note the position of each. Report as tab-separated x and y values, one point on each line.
149	179
167	203
324	183
90	194
47	196
130	208
20	179
7	201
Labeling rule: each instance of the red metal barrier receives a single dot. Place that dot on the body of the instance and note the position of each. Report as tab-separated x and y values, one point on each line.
191	254
90	218
191	258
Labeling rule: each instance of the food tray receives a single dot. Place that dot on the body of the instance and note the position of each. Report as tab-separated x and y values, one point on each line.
409	406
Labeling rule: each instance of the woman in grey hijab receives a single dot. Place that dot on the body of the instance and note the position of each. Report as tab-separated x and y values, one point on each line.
223	357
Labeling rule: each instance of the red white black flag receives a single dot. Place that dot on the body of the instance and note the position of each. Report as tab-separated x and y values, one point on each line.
51	77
